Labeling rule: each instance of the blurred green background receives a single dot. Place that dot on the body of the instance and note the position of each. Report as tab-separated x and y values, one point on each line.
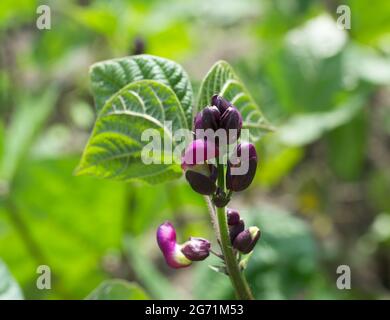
321	195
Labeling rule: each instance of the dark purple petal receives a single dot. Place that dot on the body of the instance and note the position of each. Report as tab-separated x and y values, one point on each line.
198	121
246	148
231	121
196	249
247	239
220	199
221	103
201	182
210	118
233	217
235	229
246	157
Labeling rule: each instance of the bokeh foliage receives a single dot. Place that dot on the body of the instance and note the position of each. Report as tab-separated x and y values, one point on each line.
325	171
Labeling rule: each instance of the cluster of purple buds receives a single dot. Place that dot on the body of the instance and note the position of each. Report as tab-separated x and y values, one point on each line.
202	171
196	161
180	255
243	240
221	115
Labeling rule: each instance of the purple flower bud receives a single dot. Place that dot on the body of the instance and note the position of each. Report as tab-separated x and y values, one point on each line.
235	229
196	249
208	118
166	239
233	217
220	199
221	103
202	178
198	121
231	121
241	168
247	239
198	152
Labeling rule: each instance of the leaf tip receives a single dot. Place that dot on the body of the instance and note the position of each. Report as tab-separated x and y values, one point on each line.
79	170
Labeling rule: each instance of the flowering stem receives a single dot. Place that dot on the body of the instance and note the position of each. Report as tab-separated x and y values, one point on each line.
238	280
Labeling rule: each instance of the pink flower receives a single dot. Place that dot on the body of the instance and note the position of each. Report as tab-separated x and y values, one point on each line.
198	152
177	255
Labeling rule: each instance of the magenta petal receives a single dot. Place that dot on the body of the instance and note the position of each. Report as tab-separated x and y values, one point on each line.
166	239
198	152
166	236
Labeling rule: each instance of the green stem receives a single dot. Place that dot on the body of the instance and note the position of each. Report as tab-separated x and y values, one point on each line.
237	278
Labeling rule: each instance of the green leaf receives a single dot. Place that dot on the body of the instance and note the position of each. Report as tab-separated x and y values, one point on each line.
108	77
222	80
9	289
118	290
73	246
114	148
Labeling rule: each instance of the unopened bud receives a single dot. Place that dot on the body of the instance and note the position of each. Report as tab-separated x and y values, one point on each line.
231	121
196	249
221	103
233	217
208	118
238	182
235	229
220	199
202	178
198	121
247	239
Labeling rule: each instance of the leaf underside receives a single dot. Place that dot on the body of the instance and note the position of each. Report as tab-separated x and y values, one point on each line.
114	148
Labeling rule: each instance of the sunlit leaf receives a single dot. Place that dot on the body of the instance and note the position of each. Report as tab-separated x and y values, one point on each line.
115	146
222	80
108	77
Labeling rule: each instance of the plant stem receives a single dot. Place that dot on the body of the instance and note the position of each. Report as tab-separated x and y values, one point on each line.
239	283
238	280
